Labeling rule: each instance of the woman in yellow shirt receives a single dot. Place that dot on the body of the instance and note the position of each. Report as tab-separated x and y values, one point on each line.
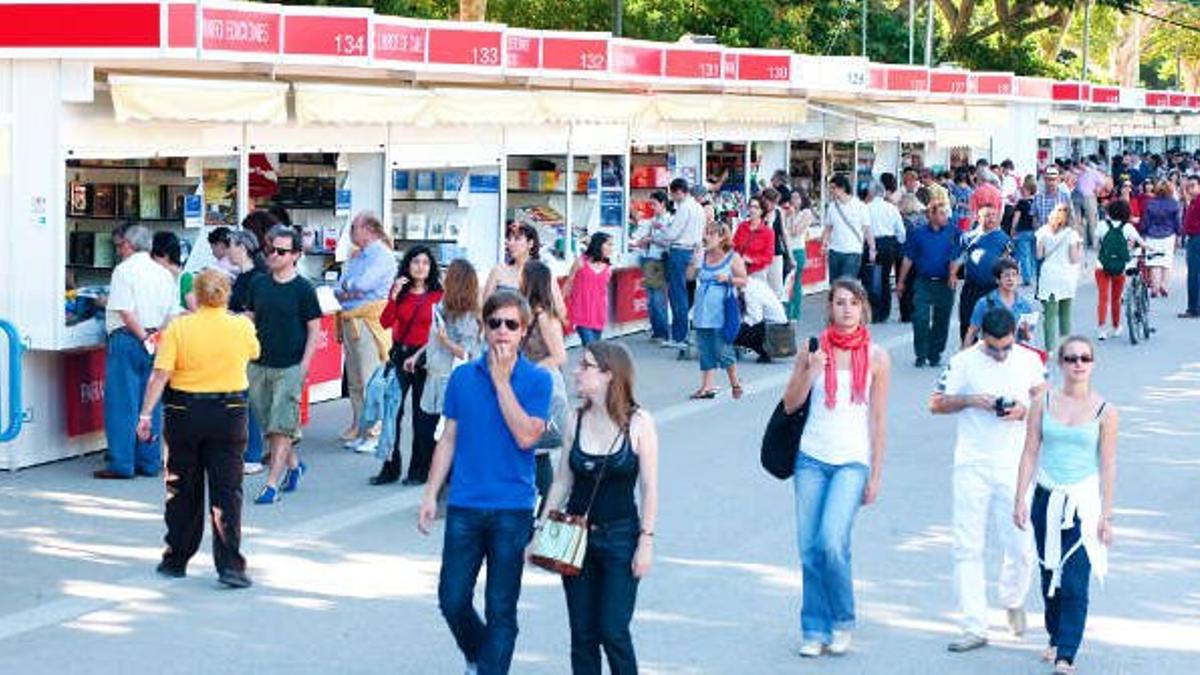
200	373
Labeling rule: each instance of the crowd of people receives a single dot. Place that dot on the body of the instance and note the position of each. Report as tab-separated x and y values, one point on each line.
482	368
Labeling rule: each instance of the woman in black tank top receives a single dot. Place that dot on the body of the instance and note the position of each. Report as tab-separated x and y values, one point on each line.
613	450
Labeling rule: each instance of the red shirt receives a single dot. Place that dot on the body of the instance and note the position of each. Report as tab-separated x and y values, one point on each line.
756	246
410	316
1191	219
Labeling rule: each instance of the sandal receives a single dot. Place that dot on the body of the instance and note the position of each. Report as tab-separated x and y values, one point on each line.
1064	668
737	391
1050	654
703	394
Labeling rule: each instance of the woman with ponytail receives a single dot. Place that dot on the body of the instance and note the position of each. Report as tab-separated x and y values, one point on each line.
840	465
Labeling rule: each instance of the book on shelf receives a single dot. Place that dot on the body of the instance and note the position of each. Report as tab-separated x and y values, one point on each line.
103	253
104	200
415	225
151	200
79	199
128	203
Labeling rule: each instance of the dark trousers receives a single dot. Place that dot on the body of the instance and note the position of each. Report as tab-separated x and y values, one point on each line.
908	298
423	426
472	536
970	294
543	477
753	338
887	250
933	301
1193	275
206	438
844	265
1066	612
601	599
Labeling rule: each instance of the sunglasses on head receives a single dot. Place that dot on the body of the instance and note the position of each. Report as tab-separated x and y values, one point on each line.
494	323
278	251
1077	358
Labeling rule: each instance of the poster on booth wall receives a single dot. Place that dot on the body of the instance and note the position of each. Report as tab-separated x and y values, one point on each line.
220	197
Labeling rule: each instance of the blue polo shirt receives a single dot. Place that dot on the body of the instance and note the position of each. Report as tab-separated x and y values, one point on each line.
931	251
489	470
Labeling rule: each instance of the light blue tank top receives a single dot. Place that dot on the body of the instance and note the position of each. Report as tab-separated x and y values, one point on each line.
1070	452
709	311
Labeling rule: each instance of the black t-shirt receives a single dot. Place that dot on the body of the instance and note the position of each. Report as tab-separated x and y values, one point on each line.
281	316
239	295
780	237
1024	215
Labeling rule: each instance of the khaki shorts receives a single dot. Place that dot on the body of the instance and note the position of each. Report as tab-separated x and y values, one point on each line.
275	398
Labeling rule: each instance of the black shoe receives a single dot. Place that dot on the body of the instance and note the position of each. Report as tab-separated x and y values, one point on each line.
409	482
105	474
385	477
234	579
170	571
763	358
148	474
919	363
935	363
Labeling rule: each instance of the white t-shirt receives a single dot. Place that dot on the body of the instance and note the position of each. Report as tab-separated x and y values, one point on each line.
886	220
1059	276
144	287
761	303
983	438
847	234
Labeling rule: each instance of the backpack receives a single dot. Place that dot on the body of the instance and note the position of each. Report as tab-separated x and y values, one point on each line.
1114	250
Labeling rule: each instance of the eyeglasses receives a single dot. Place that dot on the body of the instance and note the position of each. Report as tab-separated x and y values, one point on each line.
278	251
494	323
1074	359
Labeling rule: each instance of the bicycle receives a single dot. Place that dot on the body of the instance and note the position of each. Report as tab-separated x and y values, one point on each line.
1137	299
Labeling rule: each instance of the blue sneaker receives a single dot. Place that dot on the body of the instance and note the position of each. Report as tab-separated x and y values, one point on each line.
291	479
268	495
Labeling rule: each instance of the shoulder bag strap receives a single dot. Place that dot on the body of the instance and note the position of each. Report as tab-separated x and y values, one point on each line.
621	433
857	234
416	310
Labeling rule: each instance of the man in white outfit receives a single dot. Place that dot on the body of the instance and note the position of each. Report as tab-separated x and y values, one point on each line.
990	385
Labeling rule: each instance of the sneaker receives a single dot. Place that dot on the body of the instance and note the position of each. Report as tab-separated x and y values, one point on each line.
170	571
811	649
291	480
352	443
252	468
967	642
367	446
919	363
1101	334
1116	331
670	344
268	495
1016	620
935	362
841	642
234	579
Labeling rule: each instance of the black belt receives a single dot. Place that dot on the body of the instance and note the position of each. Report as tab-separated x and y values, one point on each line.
184	396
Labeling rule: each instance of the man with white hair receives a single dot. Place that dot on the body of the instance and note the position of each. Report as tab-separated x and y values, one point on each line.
142	298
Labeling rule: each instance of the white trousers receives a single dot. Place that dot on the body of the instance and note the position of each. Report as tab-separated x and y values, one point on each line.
982	495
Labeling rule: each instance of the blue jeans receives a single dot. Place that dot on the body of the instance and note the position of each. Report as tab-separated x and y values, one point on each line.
1025	248
126	372
1193	275
601	599
587	335
677	264
844	265
656	307
827	498
1066	612
500	537
254	440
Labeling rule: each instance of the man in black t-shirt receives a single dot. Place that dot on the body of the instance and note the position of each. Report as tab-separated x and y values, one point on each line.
287	317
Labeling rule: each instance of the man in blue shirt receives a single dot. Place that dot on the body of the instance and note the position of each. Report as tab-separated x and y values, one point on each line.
495	411
932	252
1008	276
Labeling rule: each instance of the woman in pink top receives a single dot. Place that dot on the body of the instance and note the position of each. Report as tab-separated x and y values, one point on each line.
587	289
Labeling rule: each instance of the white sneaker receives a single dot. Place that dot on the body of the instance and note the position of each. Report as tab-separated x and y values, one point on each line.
1101	333
252	468
1116	332
670	344
811	649
367	446
841	642
352	443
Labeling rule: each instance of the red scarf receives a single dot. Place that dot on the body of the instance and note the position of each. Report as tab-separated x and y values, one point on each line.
858	343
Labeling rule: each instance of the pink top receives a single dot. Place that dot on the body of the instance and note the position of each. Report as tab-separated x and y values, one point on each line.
589	297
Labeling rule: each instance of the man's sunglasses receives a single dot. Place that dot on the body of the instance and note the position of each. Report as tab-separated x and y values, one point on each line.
511	324
1077	358
278	251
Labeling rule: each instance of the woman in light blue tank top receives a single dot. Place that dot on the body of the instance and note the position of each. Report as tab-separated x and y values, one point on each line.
720	271
1070	449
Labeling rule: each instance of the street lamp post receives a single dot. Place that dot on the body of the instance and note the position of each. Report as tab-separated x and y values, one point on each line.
864	28
929	33
911	8
618	15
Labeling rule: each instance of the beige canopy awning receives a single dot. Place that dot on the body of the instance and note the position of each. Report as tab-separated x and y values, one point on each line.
480	106
342	104
139	98
589	108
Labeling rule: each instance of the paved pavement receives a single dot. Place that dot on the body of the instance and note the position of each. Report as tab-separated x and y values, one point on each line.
344	583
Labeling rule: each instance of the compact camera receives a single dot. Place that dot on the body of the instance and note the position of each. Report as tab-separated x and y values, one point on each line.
1003	406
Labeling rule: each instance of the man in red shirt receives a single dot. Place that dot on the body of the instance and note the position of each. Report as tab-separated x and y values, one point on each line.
755	240
1191	230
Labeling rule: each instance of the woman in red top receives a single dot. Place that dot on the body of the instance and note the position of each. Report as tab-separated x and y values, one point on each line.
409	314
587	289
755	241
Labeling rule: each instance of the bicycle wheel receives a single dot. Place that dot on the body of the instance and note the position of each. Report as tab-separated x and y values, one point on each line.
1144	311
1131	321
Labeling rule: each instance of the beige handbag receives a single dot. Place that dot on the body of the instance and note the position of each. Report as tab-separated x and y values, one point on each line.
561	543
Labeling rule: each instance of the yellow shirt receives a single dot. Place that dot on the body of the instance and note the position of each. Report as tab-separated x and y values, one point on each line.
207	352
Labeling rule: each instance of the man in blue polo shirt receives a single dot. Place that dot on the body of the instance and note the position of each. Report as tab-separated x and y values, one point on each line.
495	411
933	252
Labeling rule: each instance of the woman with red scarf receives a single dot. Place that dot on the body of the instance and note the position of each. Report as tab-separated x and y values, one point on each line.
840	465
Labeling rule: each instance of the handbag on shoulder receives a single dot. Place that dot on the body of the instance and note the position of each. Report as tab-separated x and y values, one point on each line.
561	544
781	440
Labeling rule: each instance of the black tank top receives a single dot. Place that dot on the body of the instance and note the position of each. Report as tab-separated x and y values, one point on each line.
614	498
